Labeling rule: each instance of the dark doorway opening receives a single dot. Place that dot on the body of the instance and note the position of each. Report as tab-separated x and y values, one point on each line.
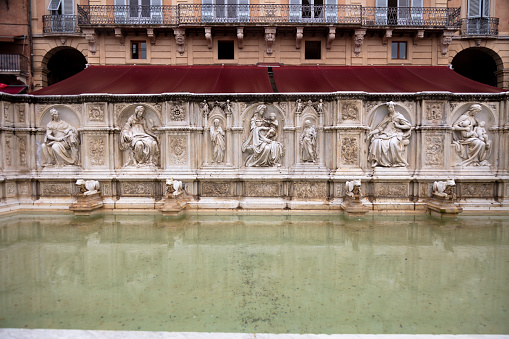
476	64
64	64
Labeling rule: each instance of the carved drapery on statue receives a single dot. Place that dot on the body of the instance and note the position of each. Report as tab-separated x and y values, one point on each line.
136	138
61	142
470	139
308	143
262	146
218	142
389	139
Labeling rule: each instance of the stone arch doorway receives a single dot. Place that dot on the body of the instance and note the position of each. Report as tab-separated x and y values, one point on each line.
479	64
60	63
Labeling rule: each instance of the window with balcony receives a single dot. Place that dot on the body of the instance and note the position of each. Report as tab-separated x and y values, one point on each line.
398	12
313	11
62	18
478	17
225	11
138	11
399	50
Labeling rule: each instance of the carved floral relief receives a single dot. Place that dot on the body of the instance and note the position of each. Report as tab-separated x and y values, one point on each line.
96	113
434	150
215	189
392	190
262	189
136	188
477	190
55	189
435	111
349	151
178	150
96	151
22	143
310	190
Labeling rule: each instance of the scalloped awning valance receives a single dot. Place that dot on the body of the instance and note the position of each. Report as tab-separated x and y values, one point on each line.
255	79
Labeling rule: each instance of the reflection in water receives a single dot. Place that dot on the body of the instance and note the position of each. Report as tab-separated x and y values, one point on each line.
248	273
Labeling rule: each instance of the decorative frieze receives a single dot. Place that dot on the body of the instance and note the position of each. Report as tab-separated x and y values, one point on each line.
177	150
21	113
434	146
476	190
262	189
55	189
136	188
215	189
310	190
392	189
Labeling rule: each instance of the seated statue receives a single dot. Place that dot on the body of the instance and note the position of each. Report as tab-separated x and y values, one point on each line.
389	139
135	136
60	146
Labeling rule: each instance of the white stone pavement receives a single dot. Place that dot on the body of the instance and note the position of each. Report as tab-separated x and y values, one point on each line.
12	333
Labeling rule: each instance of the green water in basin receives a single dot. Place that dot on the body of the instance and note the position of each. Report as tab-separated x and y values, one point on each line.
256	273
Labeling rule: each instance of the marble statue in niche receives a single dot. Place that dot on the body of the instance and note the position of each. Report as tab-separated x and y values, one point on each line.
308	142
262	144
389	139
218	142
60	146
142	145
470	139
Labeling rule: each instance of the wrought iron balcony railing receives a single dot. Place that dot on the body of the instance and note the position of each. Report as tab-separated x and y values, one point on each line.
13	63
267	14
479	26
411	16
60	24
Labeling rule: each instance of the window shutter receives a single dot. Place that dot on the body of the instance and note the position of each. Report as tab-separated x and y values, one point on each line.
474	8
53	5
381	12
243	12
486	9
156	12
207	11
295	11
331	11
416	11
120	11
68	7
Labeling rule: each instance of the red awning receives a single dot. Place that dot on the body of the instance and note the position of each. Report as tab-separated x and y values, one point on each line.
254	79
375	79
12	89
163	79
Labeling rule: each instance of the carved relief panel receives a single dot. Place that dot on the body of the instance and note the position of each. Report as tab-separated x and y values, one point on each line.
350	111
8	117
216	189
139	138
96	113
433	150
476	190
310	190
96	150
137	188
262	189
472	140
262	142
20	112
391	189
61	141
56	189
349	150
434	112
177	150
